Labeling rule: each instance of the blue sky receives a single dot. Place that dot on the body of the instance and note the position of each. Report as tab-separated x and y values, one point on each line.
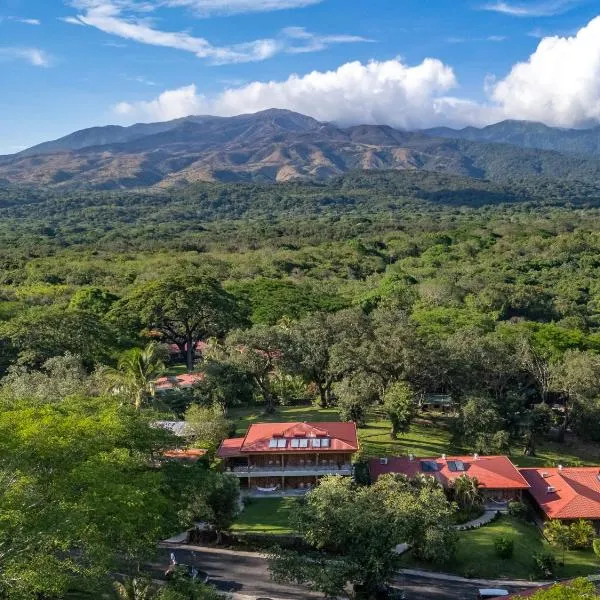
66	65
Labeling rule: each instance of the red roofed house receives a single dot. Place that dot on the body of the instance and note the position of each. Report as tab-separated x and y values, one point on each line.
566	493
498	478
289	457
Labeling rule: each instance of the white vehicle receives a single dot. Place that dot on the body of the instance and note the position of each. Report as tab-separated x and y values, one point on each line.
491	593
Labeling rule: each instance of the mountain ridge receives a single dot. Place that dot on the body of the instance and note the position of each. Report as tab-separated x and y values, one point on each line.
529	134
270	146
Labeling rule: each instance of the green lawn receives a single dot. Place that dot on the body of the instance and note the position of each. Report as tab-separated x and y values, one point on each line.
266	515
428	436
476	557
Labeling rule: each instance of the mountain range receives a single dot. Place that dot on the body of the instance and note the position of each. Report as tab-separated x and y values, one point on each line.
280	145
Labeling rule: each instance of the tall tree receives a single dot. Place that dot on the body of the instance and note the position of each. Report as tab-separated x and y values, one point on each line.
352	531
208	425
324	347
258	351
185	309
399	404
538	421
135	373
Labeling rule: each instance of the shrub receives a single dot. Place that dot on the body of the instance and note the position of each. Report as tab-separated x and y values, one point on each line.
596	547
504	547
581	534
544	563
518	510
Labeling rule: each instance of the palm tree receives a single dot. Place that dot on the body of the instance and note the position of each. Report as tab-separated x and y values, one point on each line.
134	589
466	491
135	373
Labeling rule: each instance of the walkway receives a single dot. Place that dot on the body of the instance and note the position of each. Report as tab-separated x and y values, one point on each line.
487	517
494	583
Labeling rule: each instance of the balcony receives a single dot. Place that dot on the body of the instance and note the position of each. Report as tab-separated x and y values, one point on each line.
290	470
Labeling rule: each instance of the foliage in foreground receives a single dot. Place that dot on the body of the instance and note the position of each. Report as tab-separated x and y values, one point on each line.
353	530
578	589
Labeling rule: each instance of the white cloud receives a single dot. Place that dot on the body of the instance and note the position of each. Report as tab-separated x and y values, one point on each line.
27	21
109	16
206	8
547	8
171	104
71	21
559	84
378	92
34	56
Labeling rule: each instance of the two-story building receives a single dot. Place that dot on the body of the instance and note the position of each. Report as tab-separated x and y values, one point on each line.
289	458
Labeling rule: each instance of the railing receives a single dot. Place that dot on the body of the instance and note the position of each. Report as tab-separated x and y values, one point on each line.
291	468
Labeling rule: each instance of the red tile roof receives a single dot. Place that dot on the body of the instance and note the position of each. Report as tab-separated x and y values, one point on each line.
191	454
342	438
230	447
492	472
576	493
184	380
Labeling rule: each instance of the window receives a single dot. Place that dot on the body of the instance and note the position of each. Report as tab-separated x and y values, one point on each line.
272	443
456	465
281	443
316	443
295	443
325	443
429	466
303	443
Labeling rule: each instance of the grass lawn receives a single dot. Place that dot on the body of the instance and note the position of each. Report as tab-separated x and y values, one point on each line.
428	436
476	557
266	515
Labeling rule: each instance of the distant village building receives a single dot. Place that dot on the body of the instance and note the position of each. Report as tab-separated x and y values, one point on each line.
443	402
289	458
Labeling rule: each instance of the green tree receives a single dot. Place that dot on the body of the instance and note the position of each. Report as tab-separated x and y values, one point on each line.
41	332
258	352
58	378
208	425
216	503
352	531
538	422
325	347
136	371
466	491
81	494
185	309
400	407
479	425
225	384
94	300
355	395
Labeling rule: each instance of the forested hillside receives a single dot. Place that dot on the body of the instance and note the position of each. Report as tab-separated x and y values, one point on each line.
269	146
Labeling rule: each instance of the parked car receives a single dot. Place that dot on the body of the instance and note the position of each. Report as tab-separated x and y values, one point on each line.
489	593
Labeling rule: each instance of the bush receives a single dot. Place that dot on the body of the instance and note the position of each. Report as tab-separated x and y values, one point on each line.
544	563
504	547
581	534
518	510
596	547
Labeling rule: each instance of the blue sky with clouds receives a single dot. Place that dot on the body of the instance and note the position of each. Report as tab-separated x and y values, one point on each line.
65	65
